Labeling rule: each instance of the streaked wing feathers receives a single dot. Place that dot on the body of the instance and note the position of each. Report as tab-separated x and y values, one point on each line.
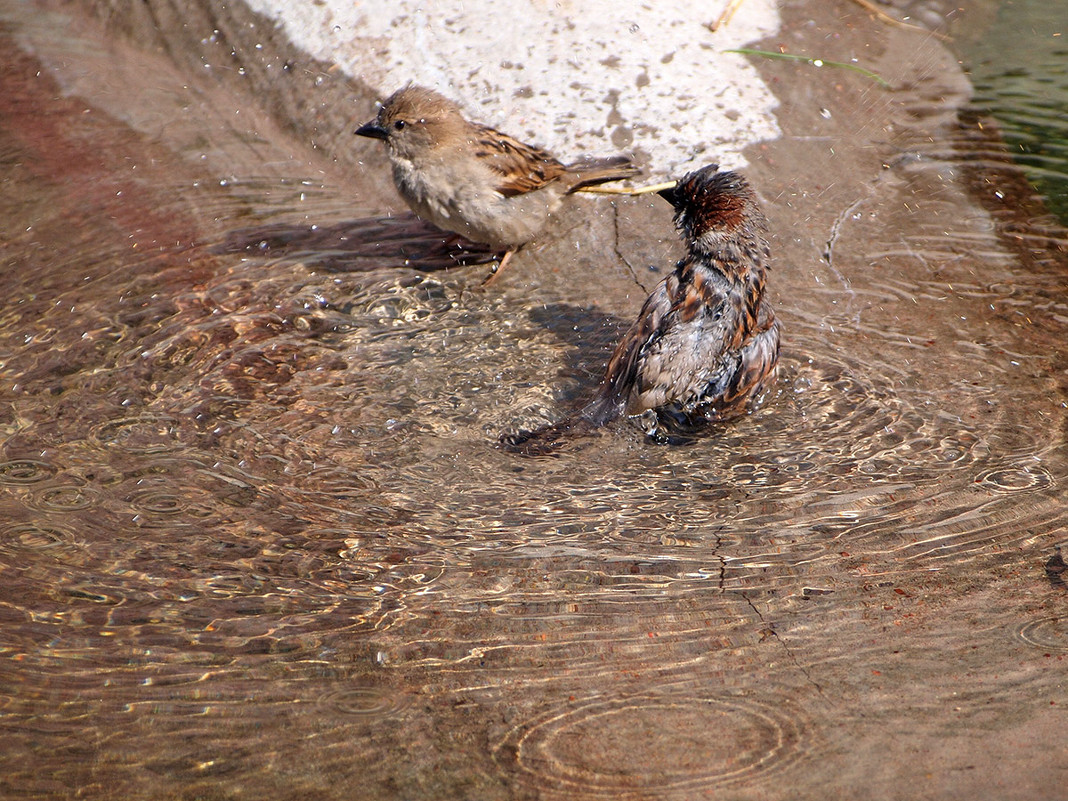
522	168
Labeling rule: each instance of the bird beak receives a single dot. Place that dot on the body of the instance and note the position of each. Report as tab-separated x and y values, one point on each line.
372	130
670	194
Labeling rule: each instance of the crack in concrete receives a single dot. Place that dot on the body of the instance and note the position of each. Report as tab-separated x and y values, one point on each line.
770	629
620	254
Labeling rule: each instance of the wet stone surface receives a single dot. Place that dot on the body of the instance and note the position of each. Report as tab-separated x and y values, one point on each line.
257	540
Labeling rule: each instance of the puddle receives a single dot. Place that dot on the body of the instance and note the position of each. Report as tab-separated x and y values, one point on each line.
258	539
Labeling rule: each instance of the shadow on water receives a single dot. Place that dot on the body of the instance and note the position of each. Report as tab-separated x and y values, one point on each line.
373	243
257	538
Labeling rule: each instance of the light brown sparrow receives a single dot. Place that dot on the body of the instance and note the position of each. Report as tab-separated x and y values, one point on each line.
472	179
706	342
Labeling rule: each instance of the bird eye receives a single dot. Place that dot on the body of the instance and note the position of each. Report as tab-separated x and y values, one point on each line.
399	125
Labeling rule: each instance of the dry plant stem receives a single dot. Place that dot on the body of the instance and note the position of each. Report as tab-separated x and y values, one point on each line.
619	190
878	12
867	5
725	17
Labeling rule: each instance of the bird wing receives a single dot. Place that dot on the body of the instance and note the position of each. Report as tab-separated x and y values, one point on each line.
522	168
612	395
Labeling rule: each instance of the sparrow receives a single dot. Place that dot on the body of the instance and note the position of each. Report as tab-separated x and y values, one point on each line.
706	342
473	180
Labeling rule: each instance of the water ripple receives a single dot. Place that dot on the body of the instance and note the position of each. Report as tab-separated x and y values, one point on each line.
65	498
25	471
366	702
1047	634
1019	478
143	434
609	747
36	537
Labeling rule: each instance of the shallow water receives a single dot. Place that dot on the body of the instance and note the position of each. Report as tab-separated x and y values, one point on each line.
1019	67
258	540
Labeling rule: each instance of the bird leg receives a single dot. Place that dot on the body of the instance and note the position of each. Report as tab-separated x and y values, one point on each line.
496	271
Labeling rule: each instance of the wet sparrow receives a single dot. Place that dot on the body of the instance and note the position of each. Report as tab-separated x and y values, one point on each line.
473	180
706	341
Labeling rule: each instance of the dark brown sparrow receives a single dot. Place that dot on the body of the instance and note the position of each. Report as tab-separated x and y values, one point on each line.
706	342
472	179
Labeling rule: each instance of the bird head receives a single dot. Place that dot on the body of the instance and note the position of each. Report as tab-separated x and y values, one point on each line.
414	120
714	209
